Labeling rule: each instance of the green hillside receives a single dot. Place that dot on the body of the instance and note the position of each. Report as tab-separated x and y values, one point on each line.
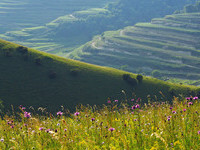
66	32
31	77
166	47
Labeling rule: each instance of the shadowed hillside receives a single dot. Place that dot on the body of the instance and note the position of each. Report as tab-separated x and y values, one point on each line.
166	47
30	77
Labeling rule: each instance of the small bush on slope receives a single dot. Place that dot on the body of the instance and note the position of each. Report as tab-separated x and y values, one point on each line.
115	126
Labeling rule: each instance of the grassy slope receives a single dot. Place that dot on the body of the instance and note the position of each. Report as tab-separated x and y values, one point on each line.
24	82
169	44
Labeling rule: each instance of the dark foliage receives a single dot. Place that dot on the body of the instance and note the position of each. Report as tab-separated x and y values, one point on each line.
52	74
139	78
172	92
126	76
22	49
129	79
8	54
74	72
38	61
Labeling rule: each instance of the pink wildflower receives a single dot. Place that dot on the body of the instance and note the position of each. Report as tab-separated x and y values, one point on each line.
111	129
59	113
76	113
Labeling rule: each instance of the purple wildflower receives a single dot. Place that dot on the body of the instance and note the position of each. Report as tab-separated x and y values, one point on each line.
187	98
137	106
116	101
12	126
111	129
76	113
132	100
171	108
27	114
59	113
93	119
184	110
168	118
108	101
135	119
138	100
41	128
174	112
47	130
190	103
23	108
2	140
9	123
65	129
25	125
199	132
133	107
195	98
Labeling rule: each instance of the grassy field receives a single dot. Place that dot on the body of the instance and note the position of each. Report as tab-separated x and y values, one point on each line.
39	79
168	46
116	125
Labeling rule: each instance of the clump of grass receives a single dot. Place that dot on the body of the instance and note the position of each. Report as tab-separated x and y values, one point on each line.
114	126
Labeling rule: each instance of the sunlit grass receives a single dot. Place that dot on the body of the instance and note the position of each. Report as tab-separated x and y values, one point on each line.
114	126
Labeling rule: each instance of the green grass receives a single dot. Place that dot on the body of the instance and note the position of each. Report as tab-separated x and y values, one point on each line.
22	81
116	125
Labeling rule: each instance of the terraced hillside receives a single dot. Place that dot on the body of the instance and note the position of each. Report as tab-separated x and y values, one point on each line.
15	14
35	78
168	46
62	34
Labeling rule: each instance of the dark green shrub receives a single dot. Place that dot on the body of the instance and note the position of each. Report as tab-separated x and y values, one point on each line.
126	77
8	54
52	74
25	57
132	81
38	61
129	79
139	78
74	72
22	49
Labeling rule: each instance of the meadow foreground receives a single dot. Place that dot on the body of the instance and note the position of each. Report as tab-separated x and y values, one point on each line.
116	125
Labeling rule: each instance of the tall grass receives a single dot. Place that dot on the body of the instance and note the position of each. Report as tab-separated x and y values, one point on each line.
114	126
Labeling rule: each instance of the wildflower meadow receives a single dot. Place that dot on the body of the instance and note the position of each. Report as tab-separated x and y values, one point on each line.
116	125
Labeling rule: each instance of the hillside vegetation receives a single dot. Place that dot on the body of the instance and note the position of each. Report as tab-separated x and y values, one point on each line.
31	77
66	32
165	47
115	126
